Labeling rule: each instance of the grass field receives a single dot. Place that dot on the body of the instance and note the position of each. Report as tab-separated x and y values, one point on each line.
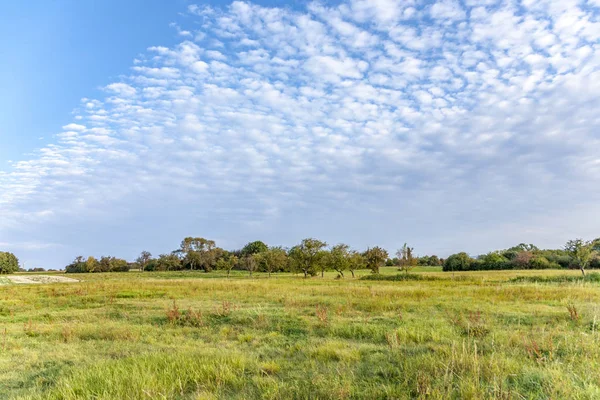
186	335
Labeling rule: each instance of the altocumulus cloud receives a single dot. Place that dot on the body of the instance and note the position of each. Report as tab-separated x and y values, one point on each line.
452	125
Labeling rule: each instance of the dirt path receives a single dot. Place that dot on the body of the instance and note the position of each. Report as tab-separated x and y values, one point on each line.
20	279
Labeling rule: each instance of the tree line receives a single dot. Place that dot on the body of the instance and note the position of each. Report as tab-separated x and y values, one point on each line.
311	257
576	254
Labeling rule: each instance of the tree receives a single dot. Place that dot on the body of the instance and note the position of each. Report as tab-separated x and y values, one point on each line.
458	262
273	259
77	266
406	259
356	261
375	258
227	263
307	256
143	259
199	253
254	248
167	262
494	261
338	259
522	260
250	262
91	265
581	251
9	263
434	261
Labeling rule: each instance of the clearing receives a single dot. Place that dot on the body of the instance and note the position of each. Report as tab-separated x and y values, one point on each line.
33	279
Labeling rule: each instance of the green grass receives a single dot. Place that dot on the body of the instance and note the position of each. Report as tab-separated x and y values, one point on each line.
190	335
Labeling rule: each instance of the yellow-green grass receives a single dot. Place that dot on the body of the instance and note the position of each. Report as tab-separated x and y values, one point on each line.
190	335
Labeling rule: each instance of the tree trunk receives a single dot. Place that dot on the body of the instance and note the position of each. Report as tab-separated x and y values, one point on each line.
352	272
583	271
322	273
269	273
305	274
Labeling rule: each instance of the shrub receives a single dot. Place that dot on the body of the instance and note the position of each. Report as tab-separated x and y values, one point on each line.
539	263
399	277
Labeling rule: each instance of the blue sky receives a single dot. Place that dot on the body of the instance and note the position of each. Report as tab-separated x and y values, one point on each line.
451	125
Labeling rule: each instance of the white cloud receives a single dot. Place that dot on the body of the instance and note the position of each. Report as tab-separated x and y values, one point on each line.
74	127
283	123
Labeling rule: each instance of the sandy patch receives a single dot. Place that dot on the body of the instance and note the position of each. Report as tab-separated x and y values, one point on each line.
21	279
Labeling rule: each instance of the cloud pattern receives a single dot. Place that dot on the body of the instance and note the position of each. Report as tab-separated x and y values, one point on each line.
451	125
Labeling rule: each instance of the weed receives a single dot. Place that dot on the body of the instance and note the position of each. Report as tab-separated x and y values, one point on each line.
321	312
472	324
539	352
573	313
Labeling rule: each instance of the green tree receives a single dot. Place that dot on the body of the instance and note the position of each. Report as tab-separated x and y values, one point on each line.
375	258
9	263
406	259
254	248
199	253
338	259
273	259
581	251
434	261
494	261
77	266
91	264
250	262
167	262
307	256
227	263
356	261
458	262
143	259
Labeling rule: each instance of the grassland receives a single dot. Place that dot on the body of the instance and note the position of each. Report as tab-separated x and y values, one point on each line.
186	335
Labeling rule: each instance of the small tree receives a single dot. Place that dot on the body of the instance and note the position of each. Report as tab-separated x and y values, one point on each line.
143	259
307	256
250	263
356	261
338	259
273	259
581	251
167	262
375	258
227	263
406	259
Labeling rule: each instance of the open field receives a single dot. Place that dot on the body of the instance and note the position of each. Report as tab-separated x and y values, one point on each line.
190	335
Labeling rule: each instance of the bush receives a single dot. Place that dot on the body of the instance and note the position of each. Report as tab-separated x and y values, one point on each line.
400	277
593	278
539	263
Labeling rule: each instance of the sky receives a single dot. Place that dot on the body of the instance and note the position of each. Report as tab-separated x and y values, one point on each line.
450	125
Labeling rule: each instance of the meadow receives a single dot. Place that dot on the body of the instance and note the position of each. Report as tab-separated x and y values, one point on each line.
192	335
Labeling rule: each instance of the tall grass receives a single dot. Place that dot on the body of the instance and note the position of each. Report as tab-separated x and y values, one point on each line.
184	336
